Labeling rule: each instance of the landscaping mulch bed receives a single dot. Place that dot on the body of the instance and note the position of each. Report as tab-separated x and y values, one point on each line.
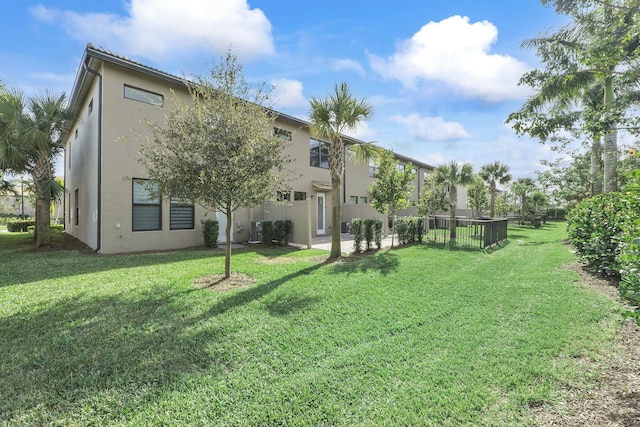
615	401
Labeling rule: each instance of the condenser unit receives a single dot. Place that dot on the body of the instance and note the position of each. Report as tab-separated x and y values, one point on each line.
255	235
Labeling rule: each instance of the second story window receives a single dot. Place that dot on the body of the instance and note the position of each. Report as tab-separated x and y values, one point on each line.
373	169
282	133
318	154
142	95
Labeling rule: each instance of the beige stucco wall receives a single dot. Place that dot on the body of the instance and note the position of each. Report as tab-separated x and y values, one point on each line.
81	173
121	133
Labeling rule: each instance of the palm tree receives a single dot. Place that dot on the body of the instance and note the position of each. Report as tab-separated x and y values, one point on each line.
31	136
330	118
493	174
598	47
452	175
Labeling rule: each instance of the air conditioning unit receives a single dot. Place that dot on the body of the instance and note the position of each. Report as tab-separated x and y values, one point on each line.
255	235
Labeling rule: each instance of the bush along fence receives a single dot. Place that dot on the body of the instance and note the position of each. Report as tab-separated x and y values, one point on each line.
276	232
369	230
410	229
470	233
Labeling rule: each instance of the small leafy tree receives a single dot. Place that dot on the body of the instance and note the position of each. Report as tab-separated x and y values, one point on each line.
433	199
521	189
477	195
219	150
392	189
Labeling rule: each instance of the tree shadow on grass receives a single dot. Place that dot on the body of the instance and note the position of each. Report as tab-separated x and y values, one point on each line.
256	292
383	262
107	354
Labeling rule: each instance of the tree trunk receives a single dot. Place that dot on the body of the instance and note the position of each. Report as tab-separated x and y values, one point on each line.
336	218
492	202
42	173
393	231
610	146
596	172
227	254
452	212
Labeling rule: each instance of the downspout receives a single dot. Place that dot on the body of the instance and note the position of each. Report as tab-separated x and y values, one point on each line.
99	193
344	176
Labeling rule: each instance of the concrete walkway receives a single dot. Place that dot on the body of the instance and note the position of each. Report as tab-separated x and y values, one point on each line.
346	245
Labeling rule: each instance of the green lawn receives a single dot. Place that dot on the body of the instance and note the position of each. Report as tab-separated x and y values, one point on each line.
411	336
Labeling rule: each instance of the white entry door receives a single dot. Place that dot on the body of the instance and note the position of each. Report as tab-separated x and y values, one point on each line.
322	213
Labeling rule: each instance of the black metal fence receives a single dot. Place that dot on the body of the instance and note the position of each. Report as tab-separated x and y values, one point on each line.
470	233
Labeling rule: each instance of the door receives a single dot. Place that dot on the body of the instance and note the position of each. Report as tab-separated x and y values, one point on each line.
222	228
322	212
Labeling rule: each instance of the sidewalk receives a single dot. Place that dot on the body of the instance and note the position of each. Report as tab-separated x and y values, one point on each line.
346	245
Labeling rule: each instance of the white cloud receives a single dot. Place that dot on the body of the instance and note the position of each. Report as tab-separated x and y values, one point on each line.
431	128
348	64
456	52
288	94
161	28
362	132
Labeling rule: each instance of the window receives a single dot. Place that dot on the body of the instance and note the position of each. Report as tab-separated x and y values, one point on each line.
284	195
318	154
69	155
90	107
373	169
76	134
143	96
363	200
353	200
282	133
76	200
299	195
181	214
400	167
146	207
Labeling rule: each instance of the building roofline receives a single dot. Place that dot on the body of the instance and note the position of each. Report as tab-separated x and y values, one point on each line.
100	54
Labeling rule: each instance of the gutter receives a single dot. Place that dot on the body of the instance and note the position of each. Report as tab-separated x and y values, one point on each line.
99	192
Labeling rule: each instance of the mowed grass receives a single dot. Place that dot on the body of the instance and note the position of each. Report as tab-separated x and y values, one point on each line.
410	336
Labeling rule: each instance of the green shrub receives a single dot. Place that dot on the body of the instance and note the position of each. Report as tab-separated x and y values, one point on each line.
377	232
401	228
281	231
409	229
356	228
266	229
210	231
595	227
629	246
288	229
369	231
20	225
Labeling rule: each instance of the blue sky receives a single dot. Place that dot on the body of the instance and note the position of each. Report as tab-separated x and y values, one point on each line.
441	74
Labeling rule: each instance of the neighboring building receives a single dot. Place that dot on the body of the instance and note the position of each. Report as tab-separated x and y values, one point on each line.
106	204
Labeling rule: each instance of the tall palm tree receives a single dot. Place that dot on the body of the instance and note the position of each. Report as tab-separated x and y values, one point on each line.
493	174
31	136
330	118
452	175
597	48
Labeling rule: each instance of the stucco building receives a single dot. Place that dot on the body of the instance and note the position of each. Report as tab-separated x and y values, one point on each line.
107	206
